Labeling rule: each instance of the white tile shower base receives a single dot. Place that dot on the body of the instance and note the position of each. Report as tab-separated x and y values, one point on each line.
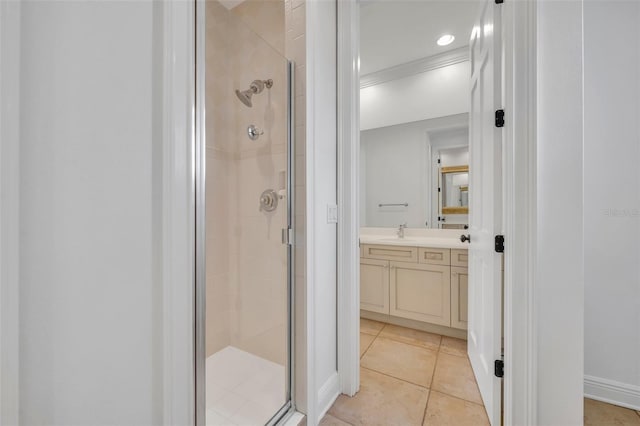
242	389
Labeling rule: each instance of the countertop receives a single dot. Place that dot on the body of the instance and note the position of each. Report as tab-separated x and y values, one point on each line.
437	238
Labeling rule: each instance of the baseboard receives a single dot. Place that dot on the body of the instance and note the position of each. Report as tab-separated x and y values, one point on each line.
327	395
612	392
416	325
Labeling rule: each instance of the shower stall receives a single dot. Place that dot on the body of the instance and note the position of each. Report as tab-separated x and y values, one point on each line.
246	311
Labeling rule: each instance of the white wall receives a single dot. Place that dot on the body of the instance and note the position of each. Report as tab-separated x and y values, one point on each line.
91	214
456	156
612	201
396	164
396	167
321	167
559	290
436	93
9	210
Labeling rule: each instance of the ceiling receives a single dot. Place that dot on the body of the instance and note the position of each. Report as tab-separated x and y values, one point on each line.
394	32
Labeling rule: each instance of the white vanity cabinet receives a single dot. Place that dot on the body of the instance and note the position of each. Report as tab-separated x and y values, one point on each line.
415	283
374	285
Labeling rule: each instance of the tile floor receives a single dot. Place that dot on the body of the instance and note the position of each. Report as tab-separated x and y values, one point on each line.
242	389
410	377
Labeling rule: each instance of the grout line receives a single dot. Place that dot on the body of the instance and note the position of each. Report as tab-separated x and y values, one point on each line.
408	344
430	388
433	377
457	397
339	418
412	344
365	351
377	332
396	378
454	396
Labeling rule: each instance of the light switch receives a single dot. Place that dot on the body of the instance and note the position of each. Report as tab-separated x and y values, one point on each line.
332	213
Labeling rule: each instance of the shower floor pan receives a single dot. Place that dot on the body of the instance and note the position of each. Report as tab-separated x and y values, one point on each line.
242	389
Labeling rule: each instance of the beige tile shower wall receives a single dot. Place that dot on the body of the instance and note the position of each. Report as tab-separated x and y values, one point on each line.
259	287
219	178
246	262
266	18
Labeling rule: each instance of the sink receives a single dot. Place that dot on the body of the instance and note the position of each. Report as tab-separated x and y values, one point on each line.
396	240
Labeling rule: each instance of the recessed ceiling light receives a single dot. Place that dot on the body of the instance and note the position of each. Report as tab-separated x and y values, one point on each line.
445	40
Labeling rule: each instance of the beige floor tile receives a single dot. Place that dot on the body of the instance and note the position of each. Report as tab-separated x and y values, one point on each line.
445	410
412	337
453	376
383	401
365	342
329	420
453	346
402	361
598	413
370	327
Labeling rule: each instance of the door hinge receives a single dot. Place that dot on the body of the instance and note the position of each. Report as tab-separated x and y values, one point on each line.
440	218
438	189
498	368
499	1
500	118
499	243
287	236
438	161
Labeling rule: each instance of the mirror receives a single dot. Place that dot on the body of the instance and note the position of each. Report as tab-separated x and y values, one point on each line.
454	184
414	108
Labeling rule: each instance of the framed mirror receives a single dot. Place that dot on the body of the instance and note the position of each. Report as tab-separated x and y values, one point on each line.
454	184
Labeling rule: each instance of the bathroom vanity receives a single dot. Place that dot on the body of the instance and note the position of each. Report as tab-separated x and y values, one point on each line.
419	281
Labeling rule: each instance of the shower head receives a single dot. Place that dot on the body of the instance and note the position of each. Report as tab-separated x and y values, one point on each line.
245	97
256	86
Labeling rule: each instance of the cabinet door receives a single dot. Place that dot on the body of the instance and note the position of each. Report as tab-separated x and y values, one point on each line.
374	285
421	292
459	300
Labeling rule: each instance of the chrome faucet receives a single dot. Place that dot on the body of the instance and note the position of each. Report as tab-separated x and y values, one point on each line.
401	229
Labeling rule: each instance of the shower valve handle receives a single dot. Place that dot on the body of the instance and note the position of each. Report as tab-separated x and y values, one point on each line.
254	133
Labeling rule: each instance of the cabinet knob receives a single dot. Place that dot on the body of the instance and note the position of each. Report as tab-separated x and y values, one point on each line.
465	238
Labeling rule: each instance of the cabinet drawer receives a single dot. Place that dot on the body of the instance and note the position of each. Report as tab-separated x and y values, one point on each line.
459	258
420	292
383	252
434	256
459	299
374	285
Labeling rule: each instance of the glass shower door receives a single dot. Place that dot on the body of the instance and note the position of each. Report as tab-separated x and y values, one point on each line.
248	215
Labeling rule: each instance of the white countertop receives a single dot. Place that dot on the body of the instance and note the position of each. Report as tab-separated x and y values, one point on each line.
413	237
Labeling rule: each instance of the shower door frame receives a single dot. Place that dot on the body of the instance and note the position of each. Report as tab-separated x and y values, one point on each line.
288	233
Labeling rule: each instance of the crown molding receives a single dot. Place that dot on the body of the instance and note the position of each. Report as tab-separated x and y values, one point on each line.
418	66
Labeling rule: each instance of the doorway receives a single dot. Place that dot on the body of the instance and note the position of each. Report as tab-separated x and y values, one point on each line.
245	298
414	274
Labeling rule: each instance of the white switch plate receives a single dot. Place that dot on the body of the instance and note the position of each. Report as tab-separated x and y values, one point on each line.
332	213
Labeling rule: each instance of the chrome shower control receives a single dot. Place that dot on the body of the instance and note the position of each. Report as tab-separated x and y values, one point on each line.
253	132
268	200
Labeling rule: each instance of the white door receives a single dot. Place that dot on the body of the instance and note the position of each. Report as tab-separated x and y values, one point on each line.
485	213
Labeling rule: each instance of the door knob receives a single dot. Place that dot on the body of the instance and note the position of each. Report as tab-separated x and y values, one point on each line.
465	238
